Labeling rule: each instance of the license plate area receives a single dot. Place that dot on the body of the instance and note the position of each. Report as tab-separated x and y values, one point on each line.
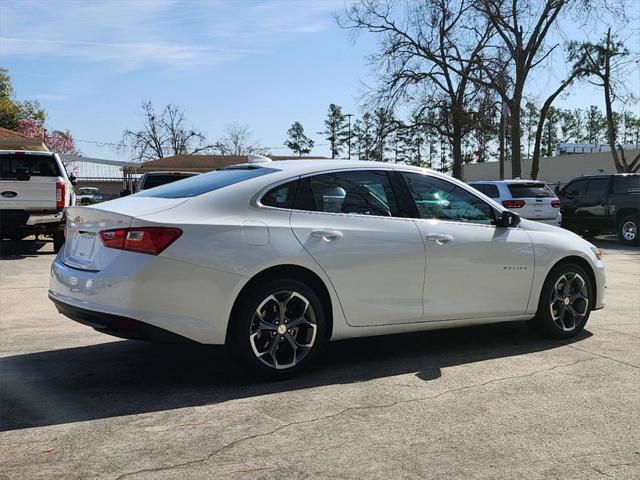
83	246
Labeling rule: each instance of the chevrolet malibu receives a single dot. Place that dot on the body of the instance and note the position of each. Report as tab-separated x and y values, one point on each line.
275	259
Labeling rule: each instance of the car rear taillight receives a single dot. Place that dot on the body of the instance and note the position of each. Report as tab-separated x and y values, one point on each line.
149	240
60	194
513	203
555	203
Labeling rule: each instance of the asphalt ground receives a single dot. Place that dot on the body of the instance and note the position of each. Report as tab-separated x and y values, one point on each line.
483	402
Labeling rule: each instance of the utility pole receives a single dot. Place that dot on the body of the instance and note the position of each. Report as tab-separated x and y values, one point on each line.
349	115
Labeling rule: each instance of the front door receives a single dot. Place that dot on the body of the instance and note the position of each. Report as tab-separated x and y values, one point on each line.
474	269
348	222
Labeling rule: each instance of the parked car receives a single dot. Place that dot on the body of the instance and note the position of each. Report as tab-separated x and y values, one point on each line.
531	199
88	195
274	259
155	179
34	191
596	204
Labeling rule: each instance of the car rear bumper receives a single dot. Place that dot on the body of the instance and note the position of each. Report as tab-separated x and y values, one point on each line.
117	325
187	300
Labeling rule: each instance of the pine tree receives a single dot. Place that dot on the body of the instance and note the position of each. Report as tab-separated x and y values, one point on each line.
335	130
298	142
550	135
530	117
595	125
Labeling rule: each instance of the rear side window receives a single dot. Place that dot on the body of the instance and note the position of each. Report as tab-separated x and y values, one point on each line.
15	166
281	196
530	190
597	186
488	189
207	182
361	192
626	184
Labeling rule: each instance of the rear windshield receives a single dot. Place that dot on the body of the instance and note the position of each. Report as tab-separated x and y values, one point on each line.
207	182
530	190
20	165
153	181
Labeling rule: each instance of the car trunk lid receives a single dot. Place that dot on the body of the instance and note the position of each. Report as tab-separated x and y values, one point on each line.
83	247
538	200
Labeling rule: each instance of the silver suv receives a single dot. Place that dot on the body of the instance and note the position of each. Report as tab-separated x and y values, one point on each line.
531	199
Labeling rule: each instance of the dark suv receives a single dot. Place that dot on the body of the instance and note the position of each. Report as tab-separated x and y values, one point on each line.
597	204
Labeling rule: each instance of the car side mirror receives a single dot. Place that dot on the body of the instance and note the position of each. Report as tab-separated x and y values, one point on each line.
508	219
73	179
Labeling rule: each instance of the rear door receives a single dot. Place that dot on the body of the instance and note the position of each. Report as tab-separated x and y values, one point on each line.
593	205
537	198
28	181
349	223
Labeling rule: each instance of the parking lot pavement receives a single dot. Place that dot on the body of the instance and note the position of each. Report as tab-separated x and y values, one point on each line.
482	402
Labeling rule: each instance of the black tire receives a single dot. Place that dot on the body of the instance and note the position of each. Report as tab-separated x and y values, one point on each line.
548	321
248	336
58	241
629	230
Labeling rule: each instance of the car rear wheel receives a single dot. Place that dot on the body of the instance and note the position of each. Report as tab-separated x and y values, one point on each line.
565	302
278	329
628	230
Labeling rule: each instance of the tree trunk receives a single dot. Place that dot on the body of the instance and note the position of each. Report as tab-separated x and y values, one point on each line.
501	145
456	143
611	132
516	167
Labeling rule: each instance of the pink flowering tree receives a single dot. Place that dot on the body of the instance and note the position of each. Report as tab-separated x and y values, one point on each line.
58	141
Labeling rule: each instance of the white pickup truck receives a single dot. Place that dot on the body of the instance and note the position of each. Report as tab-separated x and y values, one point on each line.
34	191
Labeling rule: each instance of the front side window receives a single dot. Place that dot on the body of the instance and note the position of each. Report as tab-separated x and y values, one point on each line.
575	188
361	192
442	200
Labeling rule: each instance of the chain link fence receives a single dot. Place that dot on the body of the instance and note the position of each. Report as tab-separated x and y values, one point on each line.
96	190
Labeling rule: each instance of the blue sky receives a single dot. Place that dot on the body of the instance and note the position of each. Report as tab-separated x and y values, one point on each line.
265	64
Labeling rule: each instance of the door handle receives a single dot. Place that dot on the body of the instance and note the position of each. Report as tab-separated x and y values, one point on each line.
326	235
439	238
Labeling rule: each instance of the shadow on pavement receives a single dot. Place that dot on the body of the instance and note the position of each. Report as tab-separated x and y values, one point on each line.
612	243
17	250
127	377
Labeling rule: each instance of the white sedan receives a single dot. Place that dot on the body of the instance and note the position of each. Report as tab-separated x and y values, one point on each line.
274	259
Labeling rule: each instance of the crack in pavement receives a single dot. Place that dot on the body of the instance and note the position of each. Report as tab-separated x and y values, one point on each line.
343	411
603	356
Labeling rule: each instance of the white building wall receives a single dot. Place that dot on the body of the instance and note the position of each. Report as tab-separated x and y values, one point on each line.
553	170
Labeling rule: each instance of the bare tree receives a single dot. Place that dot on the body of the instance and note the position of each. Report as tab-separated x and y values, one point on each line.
238	140
423	54
605	64
521	26
163	135
576	70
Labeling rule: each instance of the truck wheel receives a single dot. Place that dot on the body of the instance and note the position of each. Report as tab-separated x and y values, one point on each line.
58	241
628	230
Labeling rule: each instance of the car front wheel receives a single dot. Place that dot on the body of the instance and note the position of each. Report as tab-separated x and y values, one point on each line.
628	230
565	302
278	329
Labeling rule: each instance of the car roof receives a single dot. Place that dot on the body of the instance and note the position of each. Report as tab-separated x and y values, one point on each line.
28	152
300	167
506	182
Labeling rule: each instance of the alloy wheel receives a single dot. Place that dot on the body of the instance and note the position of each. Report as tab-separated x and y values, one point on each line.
569	301
283	329
629	231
